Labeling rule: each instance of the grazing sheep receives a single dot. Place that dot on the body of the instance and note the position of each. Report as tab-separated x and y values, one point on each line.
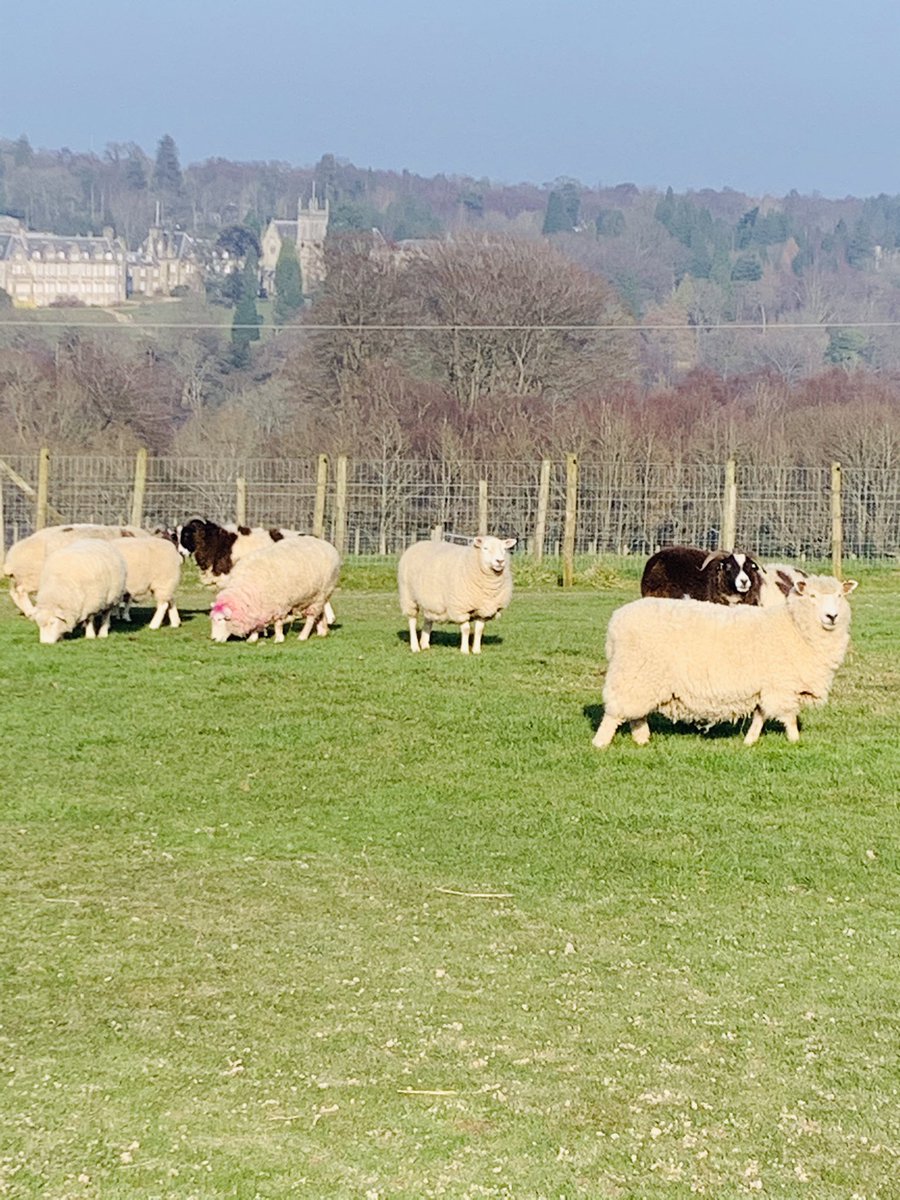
80	581
454	583
293	576
695	662
777	582
153	567
25	557
684	572
217	548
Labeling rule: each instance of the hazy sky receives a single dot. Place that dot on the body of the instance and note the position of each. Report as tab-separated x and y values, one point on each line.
762	97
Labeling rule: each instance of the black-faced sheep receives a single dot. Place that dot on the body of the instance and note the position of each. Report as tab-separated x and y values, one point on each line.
704	663
458	584
684	572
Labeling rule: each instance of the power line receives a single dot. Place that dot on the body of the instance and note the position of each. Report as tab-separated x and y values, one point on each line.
376	327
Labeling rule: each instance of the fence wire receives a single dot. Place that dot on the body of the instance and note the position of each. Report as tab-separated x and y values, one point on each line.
622	508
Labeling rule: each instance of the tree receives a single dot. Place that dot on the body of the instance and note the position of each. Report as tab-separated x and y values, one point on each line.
563	207
246	321
135	173
23	154
167	171
288	283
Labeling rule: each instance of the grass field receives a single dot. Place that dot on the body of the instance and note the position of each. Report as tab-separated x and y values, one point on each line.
330	920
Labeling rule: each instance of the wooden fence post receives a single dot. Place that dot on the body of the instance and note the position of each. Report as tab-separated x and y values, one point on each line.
340	504
140	487
321	484
837	522
729	508
43	489
568	554
437	533
240	500
482	507
540	527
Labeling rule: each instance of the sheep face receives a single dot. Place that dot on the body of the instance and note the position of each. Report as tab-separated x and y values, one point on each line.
219	617
492	553
51	626
828	596
738	576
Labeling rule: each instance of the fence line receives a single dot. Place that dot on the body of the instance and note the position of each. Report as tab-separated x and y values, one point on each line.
379	507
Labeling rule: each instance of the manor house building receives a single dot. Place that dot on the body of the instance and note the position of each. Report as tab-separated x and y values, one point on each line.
40	269
307	232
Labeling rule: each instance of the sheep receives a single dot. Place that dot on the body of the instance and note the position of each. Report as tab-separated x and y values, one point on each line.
80	581
153	567
25	557
697	662
217	548
456	584
777	581
685	572
294	575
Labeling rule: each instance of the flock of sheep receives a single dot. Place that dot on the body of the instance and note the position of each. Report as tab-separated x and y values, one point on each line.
714	637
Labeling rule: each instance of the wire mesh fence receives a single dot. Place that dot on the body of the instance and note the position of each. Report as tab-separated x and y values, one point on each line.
380	507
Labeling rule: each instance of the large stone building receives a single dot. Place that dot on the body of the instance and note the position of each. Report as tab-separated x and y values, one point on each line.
164	261
307	232
40	269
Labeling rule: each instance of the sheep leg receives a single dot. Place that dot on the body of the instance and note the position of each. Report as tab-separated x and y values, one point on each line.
125	611
413	636
329	613
307	627
756	724
89	630
21	600
605	731
322	626
157	618
279	629
104	624
254	637
476	636
425	635
640	731
464	637
790	727
174	619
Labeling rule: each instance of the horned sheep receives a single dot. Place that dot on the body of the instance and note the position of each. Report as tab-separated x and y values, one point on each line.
25	558
79	582
701	663
686	572
293	575
458	584
778	581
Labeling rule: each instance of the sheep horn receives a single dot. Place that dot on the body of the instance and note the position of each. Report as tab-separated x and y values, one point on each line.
709	558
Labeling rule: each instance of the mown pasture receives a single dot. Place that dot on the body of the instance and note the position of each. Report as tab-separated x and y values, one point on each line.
331	920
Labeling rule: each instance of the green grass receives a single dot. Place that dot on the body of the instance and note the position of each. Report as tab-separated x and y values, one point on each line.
235	962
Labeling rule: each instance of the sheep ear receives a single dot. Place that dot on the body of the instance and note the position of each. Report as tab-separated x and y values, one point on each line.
479	541
800	586
509	543
850	585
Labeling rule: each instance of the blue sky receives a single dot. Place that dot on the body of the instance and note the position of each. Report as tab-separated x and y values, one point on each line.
761	97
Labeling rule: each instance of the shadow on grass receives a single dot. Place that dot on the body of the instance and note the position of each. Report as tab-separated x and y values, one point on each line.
449	637
593	714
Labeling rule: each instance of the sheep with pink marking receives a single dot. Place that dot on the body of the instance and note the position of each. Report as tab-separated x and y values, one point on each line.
291	577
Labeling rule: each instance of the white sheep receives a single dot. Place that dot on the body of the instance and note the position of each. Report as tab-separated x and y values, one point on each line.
707	663
456	584
79	582
153	568
25	558
296	575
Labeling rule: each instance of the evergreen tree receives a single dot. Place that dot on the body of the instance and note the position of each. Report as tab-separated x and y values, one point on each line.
246	322
288	284
22	151
135	173
167	172
555	220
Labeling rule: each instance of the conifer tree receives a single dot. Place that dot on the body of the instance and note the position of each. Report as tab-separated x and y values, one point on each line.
288	283
246	321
